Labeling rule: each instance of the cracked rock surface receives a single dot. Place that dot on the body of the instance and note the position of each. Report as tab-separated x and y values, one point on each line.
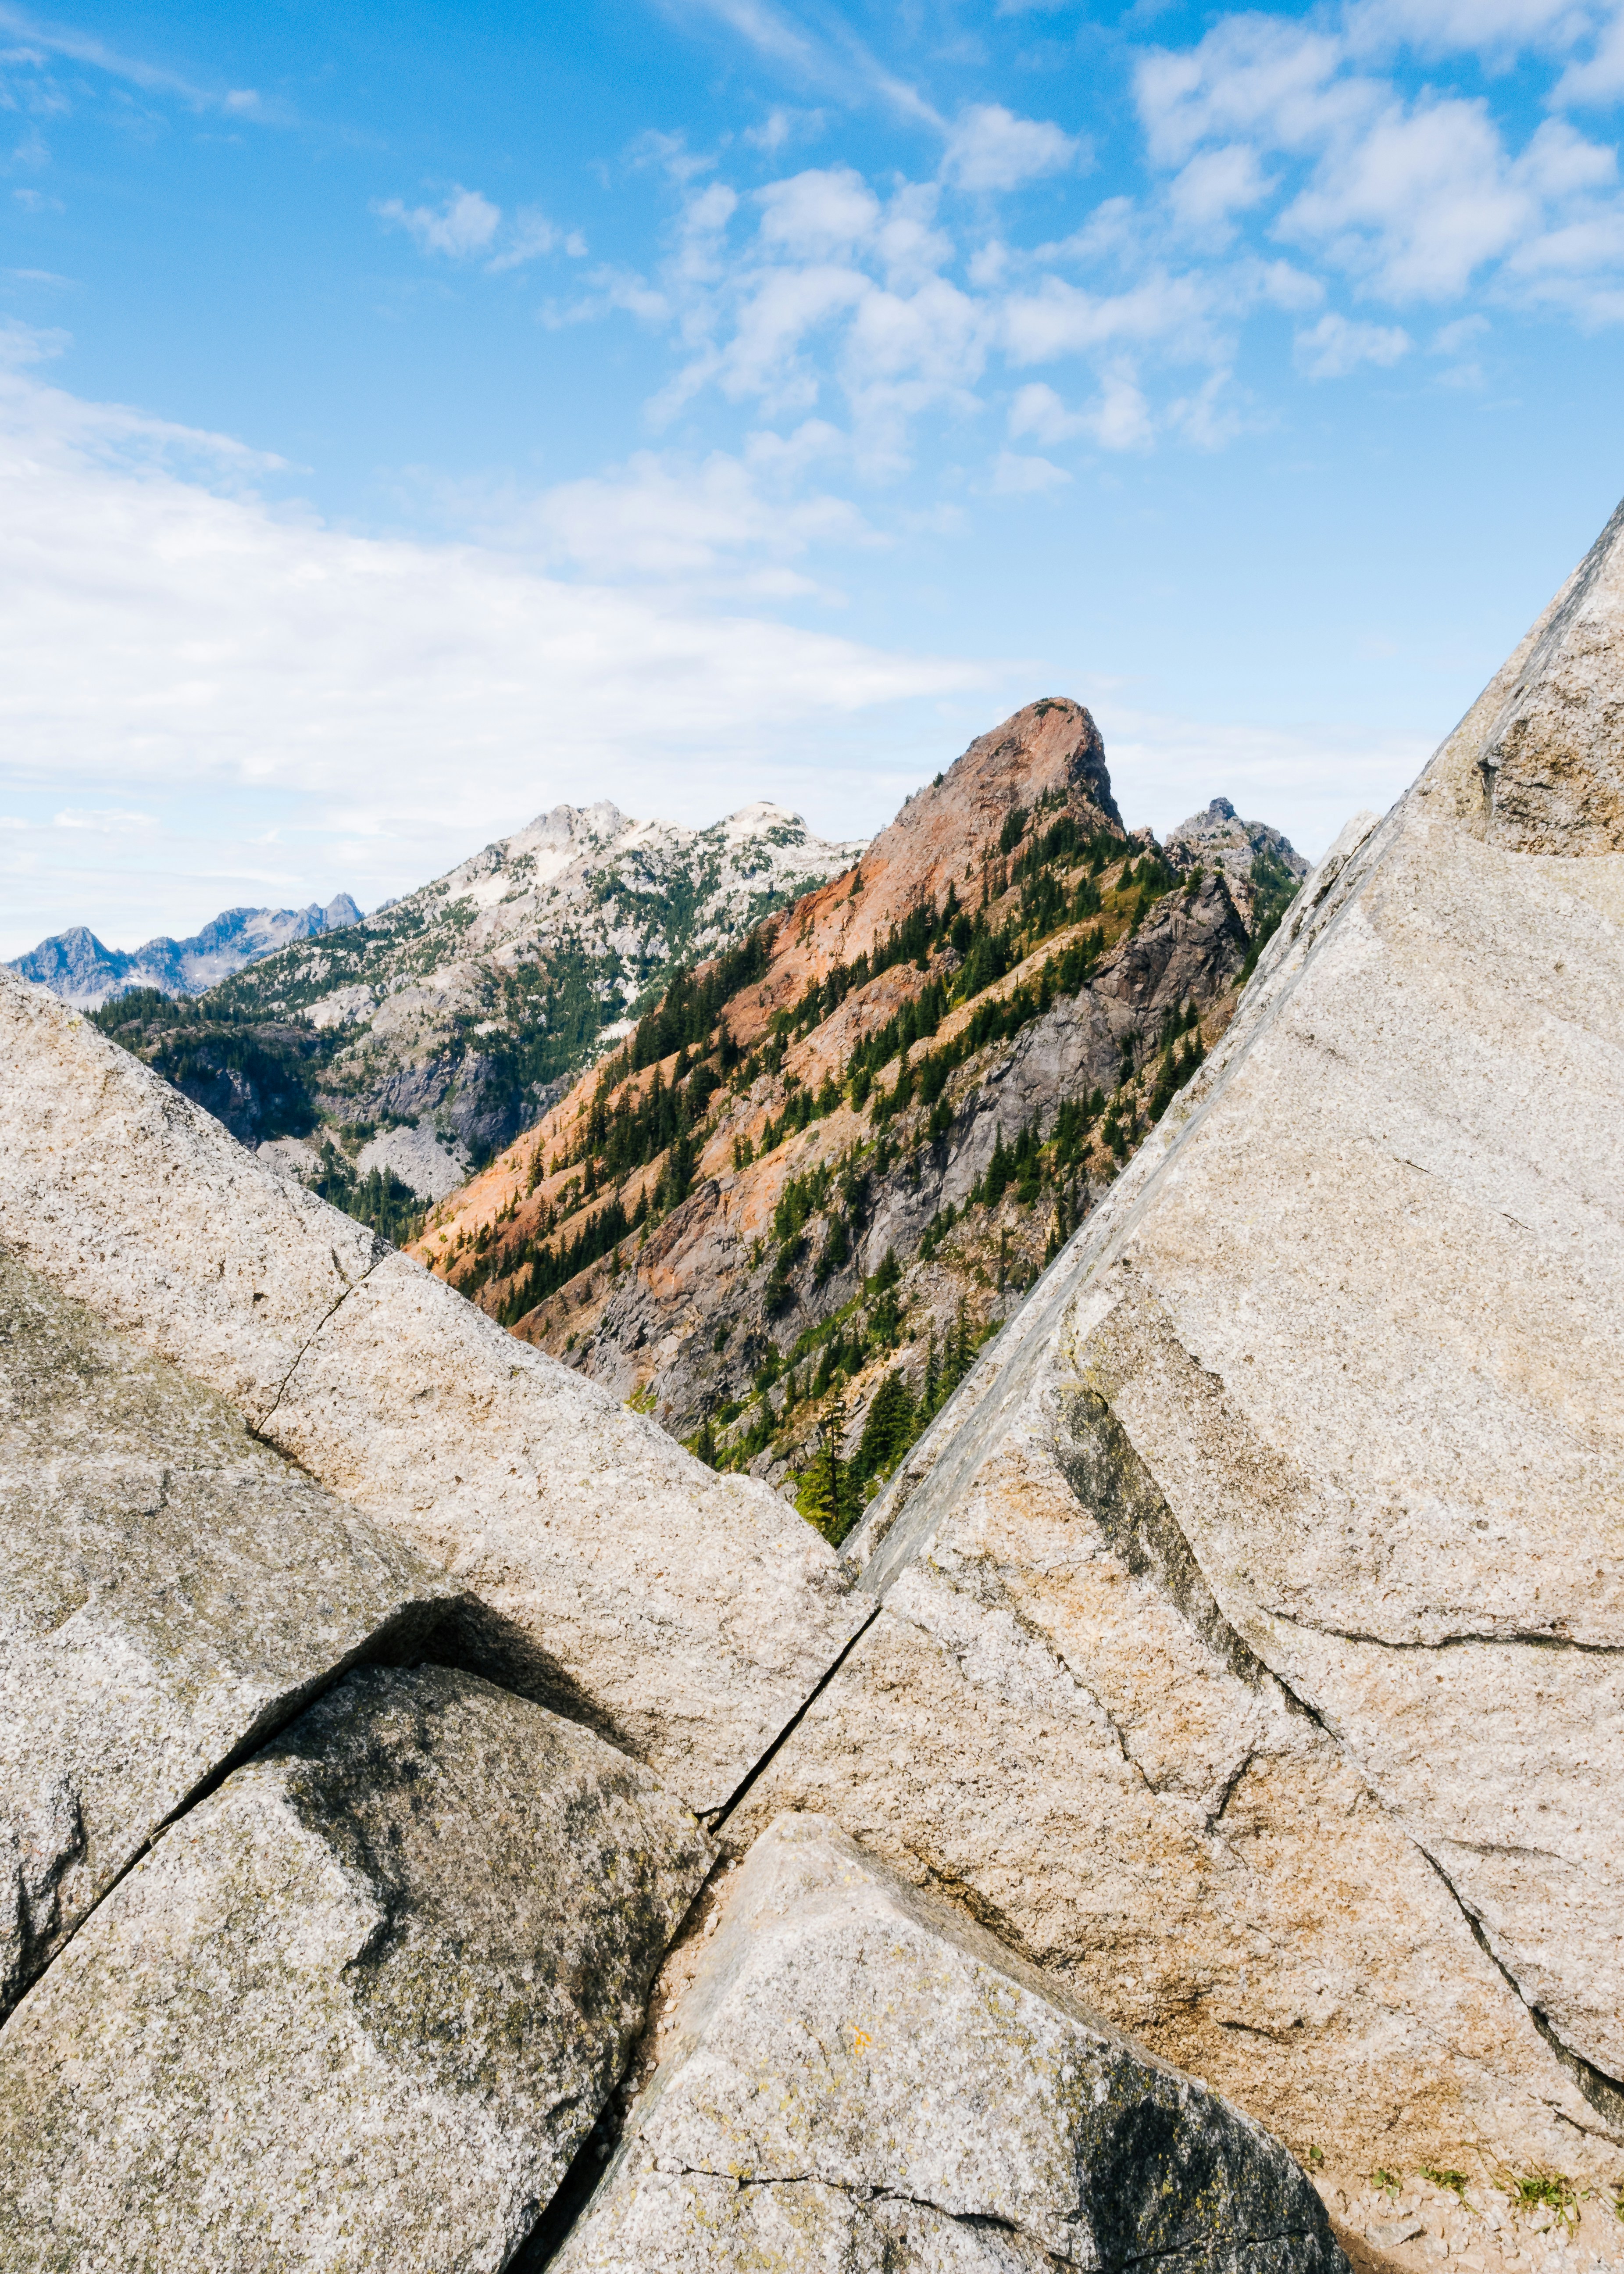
356	2010
1252	1641
684	1614
171	1591
861	2079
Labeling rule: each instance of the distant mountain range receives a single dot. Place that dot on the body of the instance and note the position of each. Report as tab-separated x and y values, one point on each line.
427	1036
80	967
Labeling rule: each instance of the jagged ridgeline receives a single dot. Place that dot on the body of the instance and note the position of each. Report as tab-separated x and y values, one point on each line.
385	1059
786	1212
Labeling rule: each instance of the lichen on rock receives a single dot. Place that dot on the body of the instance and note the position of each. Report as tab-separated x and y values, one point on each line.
862	2078
172	1591
357	2009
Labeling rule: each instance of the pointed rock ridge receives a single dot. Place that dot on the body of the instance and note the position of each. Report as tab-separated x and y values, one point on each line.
1050	749
172	1592
358	2008
933	2103
1248	853
1547	738
1296	1488
686	1614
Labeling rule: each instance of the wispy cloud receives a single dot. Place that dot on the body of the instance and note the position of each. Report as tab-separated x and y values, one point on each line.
1334	347
830	56
466	224
75	45
463	224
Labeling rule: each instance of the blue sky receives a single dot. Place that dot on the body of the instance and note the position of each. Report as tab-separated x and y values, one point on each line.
410	419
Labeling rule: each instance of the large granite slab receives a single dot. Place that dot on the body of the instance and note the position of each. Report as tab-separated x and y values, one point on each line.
357	2008
859	2078
686	1614
1252	1638
171	1591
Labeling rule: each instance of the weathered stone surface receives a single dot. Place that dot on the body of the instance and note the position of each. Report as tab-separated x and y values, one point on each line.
355	2010
1550	751
687	1614
171	1591
861	2079
1253	1639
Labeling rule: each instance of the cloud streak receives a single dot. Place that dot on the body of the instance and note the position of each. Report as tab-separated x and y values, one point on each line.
165	637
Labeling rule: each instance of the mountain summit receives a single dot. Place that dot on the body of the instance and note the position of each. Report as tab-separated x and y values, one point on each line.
786	1212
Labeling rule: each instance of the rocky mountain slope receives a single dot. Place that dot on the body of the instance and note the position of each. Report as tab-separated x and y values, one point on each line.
385	1059
785	1214
75	964
446	1828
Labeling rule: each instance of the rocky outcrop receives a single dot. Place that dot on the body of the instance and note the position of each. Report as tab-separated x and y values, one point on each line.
1251	1645
358	2008
1548	750
1258	865
934	2105
172	1592
75	964
684	1613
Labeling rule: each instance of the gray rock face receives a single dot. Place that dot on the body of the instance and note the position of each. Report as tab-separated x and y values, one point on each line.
1550	754
1223	842
861	2079
355	2011
686	1614
1253	1627
171	1591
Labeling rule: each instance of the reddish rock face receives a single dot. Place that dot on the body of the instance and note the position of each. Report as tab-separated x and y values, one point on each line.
862	1080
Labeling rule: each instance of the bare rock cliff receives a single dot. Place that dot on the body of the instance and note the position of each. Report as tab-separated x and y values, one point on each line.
1183	1824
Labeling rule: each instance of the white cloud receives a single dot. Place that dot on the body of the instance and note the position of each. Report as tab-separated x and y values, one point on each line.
1454	339
990	148
1121	418
1598	78
532	236
1016	473
1118	418
1215	185
1419	202
1060	319
1334	347
1496	28
464	224
163	639
1038	411
1252	75
728	520
818	215
1418	199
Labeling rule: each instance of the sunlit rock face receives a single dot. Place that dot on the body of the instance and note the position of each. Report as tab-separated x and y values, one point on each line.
1189	1803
